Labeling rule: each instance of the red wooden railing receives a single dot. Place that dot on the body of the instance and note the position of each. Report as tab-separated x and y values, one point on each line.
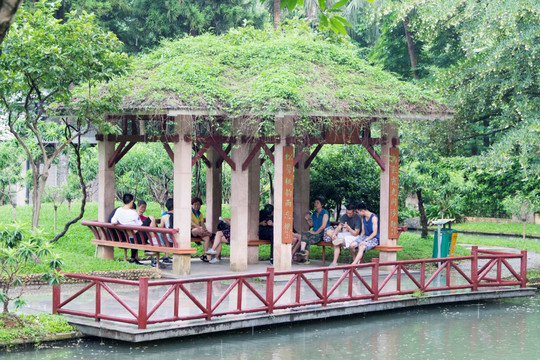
272	295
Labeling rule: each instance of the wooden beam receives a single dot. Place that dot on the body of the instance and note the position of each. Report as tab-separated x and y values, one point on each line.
269	152
121	150
138	138
169	151
252	154
227	151
224	155
375	156
312	156
200	154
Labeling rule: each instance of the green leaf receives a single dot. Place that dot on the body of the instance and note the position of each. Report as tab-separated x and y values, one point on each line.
322	4
343	20
337	26
339	4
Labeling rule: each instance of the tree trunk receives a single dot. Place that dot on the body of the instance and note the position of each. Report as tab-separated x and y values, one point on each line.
55	217
277	18
37	194
410	46
423	217
524	222
8	9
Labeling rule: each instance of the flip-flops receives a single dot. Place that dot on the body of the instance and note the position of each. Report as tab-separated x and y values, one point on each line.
203	258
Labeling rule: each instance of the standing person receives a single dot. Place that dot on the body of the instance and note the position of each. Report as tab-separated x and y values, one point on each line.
369	237
319	222
198	228
350	225
127	215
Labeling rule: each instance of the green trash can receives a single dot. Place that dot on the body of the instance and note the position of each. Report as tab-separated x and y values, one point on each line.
448	243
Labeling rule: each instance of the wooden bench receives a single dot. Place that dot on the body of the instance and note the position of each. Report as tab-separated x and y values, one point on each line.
324	244
158	240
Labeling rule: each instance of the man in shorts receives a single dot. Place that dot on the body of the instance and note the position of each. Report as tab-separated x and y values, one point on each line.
369	237
345	232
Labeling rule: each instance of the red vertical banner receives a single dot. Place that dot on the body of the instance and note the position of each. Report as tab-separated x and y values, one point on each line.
287	201
393	198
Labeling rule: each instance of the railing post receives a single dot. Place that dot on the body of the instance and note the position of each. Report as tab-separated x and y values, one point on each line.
55	298
270	290
143	302
209	300
474	268
523	268
98	300
375	278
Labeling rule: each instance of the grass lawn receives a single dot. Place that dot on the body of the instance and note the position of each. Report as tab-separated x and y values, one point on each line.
78	253
30	327
513	228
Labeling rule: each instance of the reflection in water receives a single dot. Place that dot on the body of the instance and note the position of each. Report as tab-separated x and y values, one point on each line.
494	330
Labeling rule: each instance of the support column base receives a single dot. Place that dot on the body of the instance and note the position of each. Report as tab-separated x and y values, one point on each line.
181	264
105	252
253	254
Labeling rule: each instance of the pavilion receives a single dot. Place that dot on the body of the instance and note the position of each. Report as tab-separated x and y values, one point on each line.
227	98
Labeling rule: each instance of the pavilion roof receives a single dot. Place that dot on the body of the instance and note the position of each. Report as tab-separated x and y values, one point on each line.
263	73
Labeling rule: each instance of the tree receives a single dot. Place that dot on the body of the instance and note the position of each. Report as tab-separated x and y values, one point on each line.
8	9
42	60
55	195
143	24
328	13
345	174
18	247
494	85
521	205
10	176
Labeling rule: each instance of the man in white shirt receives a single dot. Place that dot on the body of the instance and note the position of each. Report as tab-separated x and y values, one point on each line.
127	215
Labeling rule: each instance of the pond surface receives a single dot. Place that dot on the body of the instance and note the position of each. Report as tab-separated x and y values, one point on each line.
505	329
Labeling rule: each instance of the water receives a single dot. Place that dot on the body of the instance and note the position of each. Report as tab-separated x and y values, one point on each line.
506	329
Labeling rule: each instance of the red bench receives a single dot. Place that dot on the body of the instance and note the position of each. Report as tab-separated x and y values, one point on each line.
131	237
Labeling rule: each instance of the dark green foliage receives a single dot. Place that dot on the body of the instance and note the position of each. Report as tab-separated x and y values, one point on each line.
142	24
345	174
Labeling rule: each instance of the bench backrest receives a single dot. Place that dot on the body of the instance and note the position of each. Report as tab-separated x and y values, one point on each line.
134	234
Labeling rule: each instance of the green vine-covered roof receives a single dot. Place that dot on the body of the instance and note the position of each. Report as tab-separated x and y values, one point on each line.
263	72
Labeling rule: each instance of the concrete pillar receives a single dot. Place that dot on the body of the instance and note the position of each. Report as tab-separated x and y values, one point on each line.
239	209
254	190
301	194
106	190
389	130
213	189
182	193
282	252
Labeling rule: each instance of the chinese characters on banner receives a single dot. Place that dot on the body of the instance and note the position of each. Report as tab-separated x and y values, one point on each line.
288	181
393	198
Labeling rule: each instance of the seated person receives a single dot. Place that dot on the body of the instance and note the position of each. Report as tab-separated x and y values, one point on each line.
127	215
369	237
345	232
167	222
319	222
266	230
198	228
223	236
141	208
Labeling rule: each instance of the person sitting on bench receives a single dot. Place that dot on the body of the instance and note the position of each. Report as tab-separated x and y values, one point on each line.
369	237
343	234
127	215
198	228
